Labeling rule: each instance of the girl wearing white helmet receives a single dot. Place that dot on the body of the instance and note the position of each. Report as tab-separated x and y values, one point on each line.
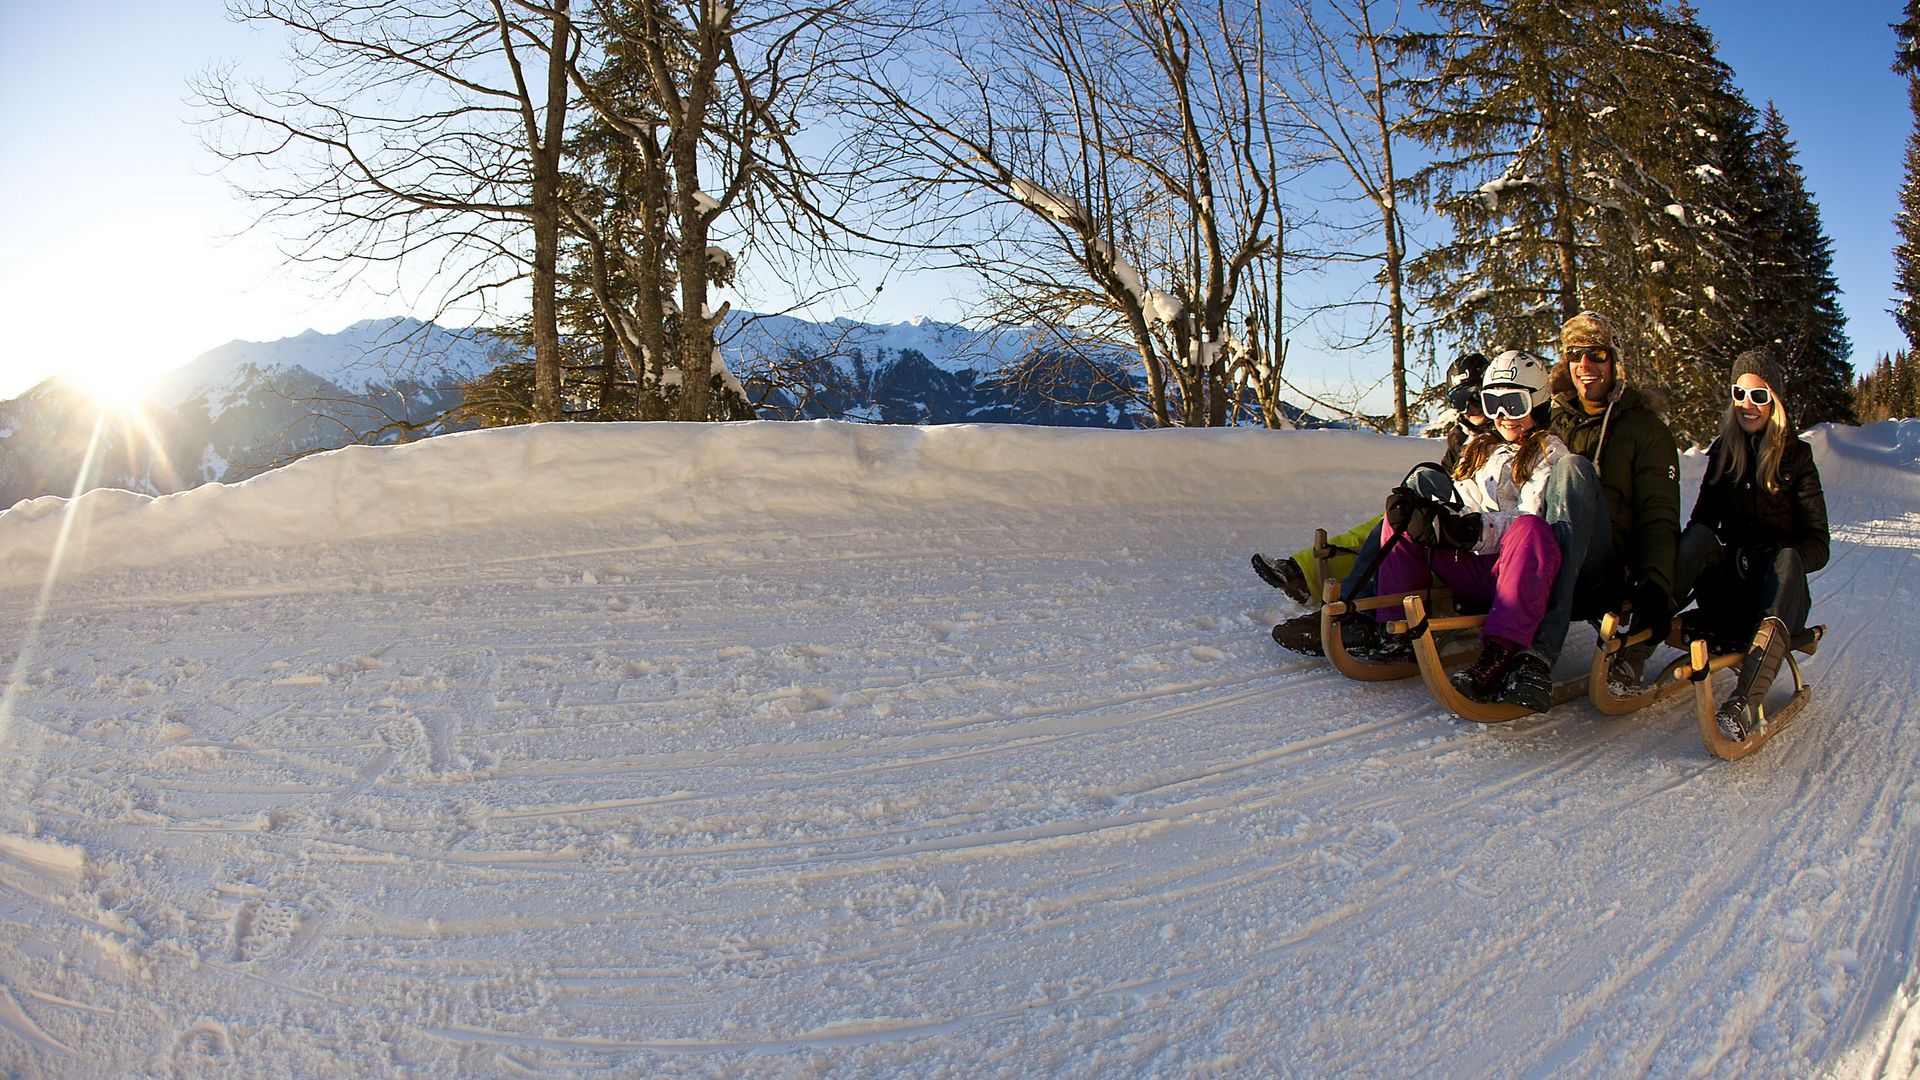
1492	545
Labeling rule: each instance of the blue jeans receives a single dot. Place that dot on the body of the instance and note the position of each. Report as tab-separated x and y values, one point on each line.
1576	508
1430	482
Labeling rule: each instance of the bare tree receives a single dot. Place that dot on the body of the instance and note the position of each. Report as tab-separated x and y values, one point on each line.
419	136
697	107
1129	171
1341	87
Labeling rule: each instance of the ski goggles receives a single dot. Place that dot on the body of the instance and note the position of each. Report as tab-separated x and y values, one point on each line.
1462	398
1506	403
1758	395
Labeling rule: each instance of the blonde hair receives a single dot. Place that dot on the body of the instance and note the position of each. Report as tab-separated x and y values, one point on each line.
1533	446
1773	446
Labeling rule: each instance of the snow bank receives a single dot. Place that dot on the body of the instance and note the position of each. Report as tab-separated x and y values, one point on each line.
652	475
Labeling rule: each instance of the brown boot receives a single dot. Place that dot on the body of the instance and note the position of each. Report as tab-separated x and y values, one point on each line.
1481	678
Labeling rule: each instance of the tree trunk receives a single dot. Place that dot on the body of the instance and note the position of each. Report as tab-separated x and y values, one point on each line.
545	220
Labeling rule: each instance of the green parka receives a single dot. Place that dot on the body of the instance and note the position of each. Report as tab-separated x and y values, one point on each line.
1633	450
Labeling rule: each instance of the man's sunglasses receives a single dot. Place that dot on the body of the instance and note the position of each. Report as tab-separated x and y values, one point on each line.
1510	403
1759	395
1589	356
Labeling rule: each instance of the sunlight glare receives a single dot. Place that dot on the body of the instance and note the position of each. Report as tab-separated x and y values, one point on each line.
116	386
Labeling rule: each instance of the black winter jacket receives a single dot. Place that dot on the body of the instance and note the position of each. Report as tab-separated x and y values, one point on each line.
1639	469
1743	513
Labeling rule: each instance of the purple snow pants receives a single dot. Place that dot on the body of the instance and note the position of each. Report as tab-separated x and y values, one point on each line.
1517	579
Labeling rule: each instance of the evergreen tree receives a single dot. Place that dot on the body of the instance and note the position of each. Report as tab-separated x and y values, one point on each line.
1906	253
1795	299
1583	155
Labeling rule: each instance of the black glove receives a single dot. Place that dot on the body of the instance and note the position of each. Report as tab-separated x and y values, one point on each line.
1442	526
1401	503
1650	608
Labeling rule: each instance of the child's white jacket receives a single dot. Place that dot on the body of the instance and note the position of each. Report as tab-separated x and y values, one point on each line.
1492	492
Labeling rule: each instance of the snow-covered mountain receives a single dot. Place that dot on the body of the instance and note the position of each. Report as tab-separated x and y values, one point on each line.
836	750
247	406
241	409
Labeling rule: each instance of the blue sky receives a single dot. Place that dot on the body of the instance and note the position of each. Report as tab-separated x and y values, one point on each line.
118	246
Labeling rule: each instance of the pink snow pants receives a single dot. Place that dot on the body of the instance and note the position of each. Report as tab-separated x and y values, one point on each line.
1517	579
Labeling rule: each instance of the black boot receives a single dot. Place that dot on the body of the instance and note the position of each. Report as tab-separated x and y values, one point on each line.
1285	575
1481	678
1380	646
1529	683
1301	634
1743	714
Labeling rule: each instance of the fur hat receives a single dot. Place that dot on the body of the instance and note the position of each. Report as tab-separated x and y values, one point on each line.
1589	330
1764	362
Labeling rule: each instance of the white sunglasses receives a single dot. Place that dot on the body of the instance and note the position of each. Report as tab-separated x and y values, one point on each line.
1759	395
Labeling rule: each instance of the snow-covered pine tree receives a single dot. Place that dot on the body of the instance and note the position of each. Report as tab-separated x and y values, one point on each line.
1906	253
1795	299
1582	152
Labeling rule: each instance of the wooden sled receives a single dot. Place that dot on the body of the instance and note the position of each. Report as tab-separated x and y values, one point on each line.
1366	670
1773	721
1672	679
1433	667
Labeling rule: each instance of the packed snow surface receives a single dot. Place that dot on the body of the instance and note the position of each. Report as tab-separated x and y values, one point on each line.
827	750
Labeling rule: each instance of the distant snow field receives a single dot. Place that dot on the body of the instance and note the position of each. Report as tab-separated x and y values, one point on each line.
801	750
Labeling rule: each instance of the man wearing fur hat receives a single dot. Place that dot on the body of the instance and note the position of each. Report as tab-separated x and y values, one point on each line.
1615	502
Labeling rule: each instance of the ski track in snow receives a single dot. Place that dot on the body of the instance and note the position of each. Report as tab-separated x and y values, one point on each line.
1011	790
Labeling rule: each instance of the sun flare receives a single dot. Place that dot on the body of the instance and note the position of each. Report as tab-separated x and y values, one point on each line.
113	387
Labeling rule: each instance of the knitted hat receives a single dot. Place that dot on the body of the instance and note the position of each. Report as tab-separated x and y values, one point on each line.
1763	362
1589	330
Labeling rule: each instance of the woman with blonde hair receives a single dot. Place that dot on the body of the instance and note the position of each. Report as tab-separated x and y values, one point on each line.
1758	529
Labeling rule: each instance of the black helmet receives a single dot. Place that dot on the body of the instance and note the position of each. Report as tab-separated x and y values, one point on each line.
1463	381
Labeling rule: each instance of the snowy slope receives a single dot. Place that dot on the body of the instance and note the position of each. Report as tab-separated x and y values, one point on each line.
833	750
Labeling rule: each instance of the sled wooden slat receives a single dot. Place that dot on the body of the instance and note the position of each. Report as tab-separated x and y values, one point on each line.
1346	663
1365	670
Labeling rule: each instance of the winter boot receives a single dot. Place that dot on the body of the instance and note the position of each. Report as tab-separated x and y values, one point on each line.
1481	678
1529	683
1385	647
1626	671
1301	634
1743	714
1285	575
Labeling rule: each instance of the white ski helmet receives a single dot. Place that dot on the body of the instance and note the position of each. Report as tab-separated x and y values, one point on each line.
1517	369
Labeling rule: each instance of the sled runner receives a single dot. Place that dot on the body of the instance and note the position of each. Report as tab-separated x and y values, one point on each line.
1671	680
1700	670
1433	667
